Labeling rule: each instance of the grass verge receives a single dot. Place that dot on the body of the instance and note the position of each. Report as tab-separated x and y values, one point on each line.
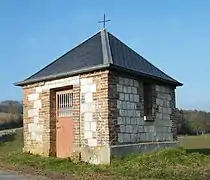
173	164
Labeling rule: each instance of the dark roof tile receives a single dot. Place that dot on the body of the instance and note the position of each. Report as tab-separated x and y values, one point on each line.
101	50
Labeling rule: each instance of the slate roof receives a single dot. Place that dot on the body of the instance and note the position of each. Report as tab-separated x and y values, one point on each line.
102	50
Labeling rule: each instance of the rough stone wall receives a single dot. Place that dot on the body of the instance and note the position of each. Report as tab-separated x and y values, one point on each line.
128	124
90	113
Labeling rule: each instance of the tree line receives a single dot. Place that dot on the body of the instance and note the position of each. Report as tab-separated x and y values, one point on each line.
193	122
11	114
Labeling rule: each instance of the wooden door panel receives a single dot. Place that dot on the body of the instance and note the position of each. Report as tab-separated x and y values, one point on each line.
64	125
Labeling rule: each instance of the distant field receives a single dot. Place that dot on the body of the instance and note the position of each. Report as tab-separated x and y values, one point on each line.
199	143
8	121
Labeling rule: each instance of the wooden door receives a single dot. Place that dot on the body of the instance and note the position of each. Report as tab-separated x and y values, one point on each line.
64	123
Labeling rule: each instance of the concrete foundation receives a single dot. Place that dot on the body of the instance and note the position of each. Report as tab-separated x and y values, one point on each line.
126	149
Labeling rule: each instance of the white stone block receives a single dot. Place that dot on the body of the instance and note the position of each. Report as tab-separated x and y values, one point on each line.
122	128
88	116
92	142
135	129
93	126
120	137
87	126
130	113
88	134
157	88
122	112
85	81
89	80
128	105
39	129
151	129
121	80
126	112
33	97
88	107
39	138
134	137
124	105
45	88
124	120
33	136
119	88
165	116
167	103
88	88
140	129
36	120
131	82
76	81
119	120
137	113
33	112
132	105
84	89
136	98
125	89
136	83
133	121
89	97
161	95
134	90
126	137
127	120
126	97
93	88
126	81
128	128
170	137
122	96
140	121
37	104
129	90
38	89
119	104
160	109
131	97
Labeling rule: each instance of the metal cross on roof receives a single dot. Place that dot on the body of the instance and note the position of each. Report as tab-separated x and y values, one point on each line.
104	21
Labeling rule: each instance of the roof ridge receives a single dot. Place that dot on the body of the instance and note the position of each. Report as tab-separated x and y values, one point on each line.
107	57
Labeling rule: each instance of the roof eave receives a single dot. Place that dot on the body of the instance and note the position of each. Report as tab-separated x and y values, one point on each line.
174	83
62	75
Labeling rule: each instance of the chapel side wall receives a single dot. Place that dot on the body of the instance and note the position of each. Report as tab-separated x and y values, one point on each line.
126	123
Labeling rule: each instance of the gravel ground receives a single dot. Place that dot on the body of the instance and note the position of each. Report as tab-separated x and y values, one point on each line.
12	176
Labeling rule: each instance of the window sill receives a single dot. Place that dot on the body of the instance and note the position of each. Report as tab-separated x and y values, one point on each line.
149	118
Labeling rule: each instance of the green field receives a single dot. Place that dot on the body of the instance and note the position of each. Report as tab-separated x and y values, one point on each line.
173	164
199	143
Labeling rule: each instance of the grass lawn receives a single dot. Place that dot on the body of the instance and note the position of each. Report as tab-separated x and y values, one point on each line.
165	164
199	143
